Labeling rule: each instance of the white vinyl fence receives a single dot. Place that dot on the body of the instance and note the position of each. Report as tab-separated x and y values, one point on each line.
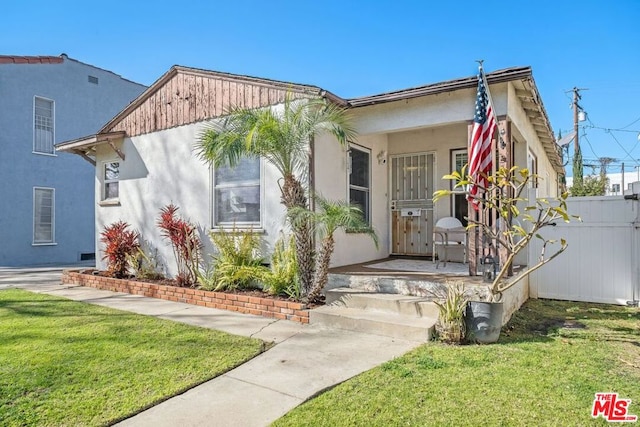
602	261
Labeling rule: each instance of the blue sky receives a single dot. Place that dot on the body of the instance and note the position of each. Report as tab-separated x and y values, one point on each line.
362	48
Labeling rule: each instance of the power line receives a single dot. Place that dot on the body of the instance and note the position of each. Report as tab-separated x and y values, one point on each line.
612	130
629	156
584	135
635	145
622	129
633	122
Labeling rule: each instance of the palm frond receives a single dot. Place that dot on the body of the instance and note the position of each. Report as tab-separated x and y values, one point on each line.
332	215
280	134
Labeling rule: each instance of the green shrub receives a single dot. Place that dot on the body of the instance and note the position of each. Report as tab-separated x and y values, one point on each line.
282	277
237	263
452	303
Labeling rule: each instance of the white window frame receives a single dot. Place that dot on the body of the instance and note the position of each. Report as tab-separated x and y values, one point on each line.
532	165
104	181
53	127
454	154
51	242
256	226
367	190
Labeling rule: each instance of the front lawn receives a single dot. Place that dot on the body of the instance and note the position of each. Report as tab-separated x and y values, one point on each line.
69	363
551	360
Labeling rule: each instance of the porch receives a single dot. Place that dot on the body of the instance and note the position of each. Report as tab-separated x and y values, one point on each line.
394	296
415	276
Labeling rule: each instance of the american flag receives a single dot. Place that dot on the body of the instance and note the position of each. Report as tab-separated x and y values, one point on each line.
484	124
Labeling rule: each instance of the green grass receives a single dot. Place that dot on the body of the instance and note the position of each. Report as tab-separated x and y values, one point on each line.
551	360
73	364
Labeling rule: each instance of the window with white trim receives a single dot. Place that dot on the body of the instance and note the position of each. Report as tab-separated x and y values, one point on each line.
43	215
237	196
43	125
532	165
360	180
111	181
615	188
459	158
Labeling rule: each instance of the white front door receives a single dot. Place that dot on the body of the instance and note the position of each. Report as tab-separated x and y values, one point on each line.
411	192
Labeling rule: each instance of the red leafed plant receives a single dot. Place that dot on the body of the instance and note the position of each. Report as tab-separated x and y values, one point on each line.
185	243
120	243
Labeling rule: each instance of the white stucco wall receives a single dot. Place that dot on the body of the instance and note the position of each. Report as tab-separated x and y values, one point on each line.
162	168
434	110
332	183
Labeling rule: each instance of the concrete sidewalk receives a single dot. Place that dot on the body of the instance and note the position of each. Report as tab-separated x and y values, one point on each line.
305	361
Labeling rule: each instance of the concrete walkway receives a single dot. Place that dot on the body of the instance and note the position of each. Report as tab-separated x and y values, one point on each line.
305	361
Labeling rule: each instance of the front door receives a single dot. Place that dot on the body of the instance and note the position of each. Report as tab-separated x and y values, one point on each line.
411	180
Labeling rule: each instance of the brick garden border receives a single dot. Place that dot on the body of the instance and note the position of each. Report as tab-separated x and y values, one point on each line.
266	307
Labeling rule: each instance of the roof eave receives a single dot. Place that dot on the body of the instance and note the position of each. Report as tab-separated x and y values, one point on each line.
494	77
85	147
294	87
90	141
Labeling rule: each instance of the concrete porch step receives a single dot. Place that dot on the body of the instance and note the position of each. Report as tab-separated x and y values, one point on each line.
374	322
393	315
387	302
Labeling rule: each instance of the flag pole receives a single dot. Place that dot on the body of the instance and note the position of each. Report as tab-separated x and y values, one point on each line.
483	76
477	144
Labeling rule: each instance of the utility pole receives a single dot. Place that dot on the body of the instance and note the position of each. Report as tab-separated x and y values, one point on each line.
577	156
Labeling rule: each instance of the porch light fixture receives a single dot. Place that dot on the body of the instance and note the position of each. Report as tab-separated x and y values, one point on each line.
501	133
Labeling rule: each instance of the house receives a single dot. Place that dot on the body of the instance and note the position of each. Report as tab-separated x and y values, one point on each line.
48	214
408	139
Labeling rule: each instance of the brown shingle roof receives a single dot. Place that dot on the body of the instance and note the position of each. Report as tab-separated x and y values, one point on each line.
8	59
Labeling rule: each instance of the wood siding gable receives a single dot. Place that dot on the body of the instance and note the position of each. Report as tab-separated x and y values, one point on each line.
185	95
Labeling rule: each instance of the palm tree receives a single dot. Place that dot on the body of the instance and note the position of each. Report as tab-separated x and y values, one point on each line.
282	136
329	217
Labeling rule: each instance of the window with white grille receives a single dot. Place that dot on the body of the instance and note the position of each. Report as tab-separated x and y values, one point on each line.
43	215
43	125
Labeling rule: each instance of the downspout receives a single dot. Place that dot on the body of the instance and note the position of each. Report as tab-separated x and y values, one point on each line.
635	247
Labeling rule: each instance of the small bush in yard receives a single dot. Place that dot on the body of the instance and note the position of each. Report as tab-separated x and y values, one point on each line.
282	277
237	264
451	300
185	243
120	245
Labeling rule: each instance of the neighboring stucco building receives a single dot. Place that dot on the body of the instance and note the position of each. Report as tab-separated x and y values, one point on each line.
47	213
407	140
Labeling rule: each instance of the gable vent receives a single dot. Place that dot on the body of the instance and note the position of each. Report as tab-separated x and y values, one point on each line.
93	79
